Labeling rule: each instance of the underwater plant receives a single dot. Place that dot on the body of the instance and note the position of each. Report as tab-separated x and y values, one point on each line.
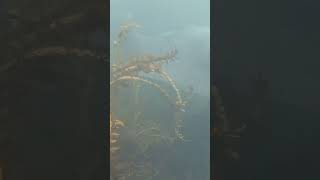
140	130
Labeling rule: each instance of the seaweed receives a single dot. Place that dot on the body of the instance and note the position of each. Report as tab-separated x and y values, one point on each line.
131	79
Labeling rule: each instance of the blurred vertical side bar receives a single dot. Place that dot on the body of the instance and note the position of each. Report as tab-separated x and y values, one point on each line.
58	90
214	11
108	86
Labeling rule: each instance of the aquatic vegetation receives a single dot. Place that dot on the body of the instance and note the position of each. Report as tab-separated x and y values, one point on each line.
136	68
114	134
130	77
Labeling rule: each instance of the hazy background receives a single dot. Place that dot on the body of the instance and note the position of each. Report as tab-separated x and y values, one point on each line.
168	24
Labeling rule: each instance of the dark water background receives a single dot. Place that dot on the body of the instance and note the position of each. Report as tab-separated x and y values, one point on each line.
280	40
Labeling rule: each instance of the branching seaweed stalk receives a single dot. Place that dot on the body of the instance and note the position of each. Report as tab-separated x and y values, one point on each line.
134	70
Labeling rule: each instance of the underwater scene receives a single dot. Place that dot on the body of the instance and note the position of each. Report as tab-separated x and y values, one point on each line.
160	90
